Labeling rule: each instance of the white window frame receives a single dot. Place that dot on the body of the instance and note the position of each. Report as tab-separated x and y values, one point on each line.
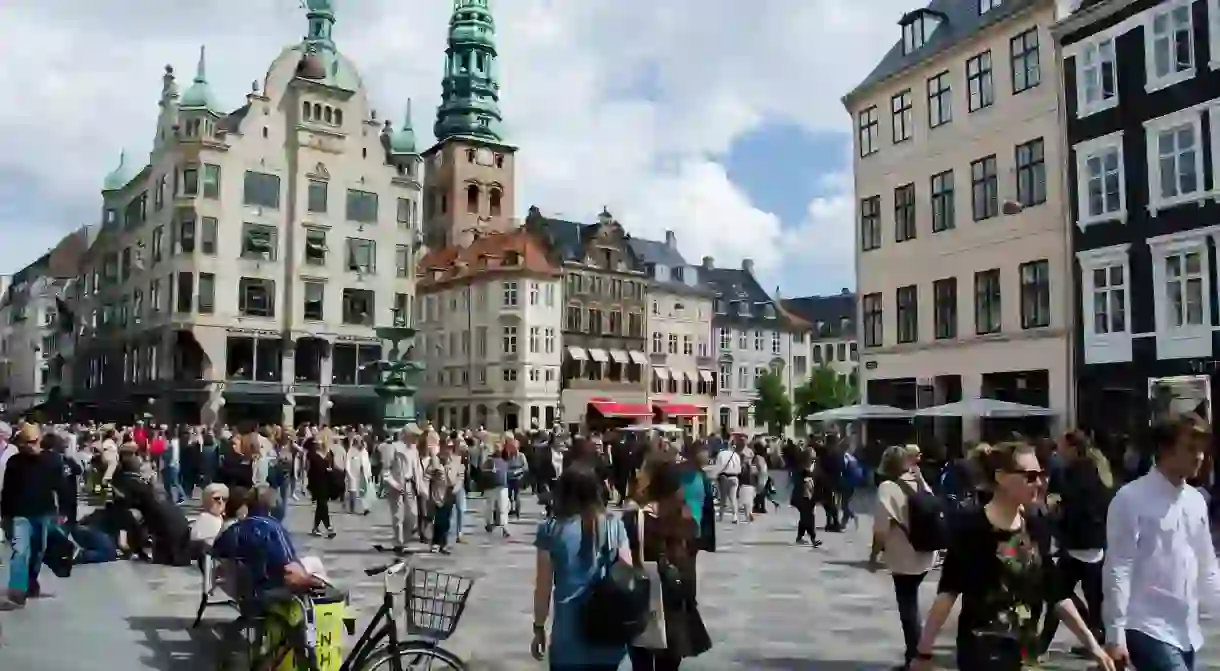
1085	108
1213	32
1089	149
1152	130
1190	340
1152	81
1113	347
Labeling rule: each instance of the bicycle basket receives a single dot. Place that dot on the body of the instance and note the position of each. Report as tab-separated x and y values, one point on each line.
434	602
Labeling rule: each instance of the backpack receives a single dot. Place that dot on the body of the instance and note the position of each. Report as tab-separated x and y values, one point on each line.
927	526
616	609
853	472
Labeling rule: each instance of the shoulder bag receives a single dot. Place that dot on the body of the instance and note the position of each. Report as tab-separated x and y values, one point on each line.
653	636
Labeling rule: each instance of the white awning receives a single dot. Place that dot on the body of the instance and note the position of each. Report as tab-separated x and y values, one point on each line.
598	355
619	356
662	373
577	353
638	358
707	376
677	375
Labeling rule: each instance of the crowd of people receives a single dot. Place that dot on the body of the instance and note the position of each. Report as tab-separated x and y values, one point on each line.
1016	527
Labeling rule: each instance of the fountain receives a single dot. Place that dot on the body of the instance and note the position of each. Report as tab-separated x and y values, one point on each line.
398	374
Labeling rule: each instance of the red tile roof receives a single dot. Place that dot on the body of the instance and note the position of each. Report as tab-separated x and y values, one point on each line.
517	250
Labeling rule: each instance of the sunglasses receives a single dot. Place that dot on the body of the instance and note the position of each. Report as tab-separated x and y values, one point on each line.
220	499
1031	476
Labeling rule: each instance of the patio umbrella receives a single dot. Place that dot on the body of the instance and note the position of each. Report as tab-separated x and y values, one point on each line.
856	412
984	407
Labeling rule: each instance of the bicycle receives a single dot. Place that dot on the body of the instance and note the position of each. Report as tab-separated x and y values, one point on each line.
434	605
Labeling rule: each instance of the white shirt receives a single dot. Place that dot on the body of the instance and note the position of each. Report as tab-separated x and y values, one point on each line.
728	462
1159	562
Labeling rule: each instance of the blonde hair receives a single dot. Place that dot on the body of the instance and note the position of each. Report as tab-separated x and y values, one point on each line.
1103	466
893	461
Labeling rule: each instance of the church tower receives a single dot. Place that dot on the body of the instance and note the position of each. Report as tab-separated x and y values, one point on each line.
468	185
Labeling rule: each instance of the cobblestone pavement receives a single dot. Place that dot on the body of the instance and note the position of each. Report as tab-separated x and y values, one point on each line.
767	603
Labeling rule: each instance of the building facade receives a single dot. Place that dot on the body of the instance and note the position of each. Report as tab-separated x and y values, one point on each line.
241	269
679	327
831	340
1143	184
490	333
605	377
751	337
962	263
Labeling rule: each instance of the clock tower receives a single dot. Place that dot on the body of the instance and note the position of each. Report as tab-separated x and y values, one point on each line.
468	183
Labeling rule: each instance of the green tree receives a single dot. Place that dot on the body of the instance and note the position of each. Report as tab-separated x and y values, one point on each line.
824	390
772	407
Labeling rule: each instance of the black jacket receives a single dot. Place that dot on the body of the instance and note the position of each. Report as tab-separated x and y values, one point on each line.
31	484
1082	507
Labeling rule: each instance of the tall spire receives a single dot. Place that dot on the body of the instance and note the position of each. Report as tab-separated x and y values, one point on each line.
402	141
321	16
470	90
200	95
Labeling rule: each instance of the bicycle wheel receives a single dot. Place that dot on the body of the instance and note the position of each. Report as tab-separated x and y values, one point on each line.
413	656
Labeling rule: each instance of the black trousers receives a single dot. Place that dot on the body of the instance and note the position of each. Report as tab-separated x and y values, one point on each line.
643	659
1075	572
906	593
805	523
321	511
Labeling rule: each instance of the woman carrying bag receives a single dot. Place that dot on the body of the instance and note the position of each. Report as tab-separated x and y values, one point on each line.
664	537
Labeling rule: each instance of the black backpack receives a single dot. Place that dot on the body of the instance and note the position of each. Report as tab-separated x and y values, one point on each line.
616	610
927	526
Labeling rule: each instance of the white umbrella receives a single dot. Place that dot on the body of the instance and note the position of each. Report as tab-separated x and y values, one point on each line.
984	407
856	412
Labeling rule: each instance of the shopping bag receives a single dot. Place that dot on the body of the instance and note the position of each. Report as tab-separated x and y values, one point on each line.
653	637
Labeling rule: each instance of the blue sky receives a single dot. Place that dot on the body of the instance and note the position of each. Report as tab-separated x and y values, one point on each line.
668	113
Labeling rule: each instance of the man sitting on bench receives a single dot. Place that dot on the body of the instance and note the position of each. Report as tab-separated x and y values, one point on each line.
260	545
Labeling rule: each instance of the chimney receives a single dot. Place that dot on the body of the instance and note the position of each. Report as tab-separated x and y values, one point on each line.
845	292
671	240
748	265
708	263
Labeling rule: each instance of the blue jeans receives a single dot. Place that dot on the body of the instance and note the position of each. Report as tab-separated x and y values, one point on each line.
459	513
29	542
173	486
1149	654
95	547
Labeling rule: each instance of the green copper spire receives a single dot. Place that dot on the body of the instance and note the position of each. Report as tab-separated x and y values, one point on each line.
403	139
470	91
321	16
199	95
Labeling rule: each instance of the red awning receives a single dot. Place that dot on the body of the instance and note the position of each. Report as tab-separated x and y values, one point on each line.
680	410
609	408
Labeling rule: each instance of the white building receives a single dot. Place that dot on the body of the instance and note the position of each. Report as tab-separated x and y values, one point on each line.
245	264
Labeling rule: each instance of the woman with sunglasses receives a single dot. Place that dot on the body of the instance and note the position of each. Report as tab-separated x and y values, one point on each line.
999	565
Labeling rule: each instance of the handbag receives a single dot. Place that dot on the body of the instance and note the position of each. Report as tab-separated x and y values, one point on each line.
653	636
615	609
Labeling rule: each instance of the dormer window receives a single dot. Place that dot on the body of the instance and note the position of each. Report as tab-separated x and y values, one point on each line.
676	274
917	28
743	309
769	311
988	5
719	306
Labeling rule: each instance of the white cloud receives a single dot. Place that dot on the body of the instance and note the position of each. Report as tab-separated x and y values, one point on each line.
89	78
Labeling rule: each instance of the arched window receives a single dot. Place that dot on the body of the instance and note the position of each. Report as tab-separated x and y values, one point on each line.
306	111
499	160
470	154
472	199
493	199
317	111
328	114
338	117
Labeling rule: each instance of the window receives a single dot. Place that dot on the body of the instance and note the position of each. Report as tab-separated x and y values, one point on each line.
758	341
1175	158
1101	193
207	240
261	190
725	337
256	297
534	292
658	341
185	291
361	206
743	413
207	293
509	291
316	199
402	260
1031	173
315	301
979	85
817	353
743	378
775	342
1109	298
874	328
406	213
988	5
535	339
1026	72
574	318
258	242
942	201
211	181
870	223
361	256
743	339
190	182
984	189
508	340
358	307
635	325
615	325
1035	294
940	100
673	343
495	199
900	111
1184	294
594	325
688	345
158	243
315	247
904	213
549	334
1168	44
725	377
869	129
908	313
1096	77
944	308
987	315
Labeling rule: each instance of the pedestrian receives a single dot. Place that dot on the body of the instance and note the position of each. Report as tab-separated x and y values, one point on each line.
405	486
32	479
493	481
359	476
804	498
443	473
517	467
321	481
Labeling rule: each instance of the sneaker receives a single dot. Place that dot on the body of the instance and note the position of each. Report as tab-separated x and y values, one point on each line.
505	533
445	551
817	544
802	541
331	533
316	533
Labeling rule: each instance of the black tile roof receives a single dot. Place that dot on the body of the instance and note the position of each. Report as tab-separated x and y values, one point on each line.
733	286
962	22
654	252
826	314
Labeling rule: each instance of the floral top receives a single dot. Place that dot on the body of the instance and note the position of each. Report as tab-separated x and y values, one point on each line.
1003	578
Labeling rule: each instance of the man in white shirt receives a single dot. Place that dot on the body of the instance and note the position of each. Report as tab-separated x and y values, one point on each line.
403	476
727	472
1160	561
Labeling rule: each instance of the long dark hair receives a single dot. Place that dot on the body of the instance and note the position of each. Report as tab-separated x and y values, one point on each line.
578	493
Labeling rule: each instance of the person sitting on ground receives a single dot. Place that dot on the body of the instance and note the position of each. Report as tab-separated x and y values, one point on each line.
162	520
260	544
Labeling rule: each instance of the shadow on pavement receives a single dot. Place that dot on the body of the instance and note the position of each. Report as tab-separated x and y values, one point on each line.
174	646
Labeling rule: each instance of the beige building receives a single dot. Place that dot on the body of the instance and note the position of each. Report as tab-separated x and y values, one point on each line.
962	258
241	269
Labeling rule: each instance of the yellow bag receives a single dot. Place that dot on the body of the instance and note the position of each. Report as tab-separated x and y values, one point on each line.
328	614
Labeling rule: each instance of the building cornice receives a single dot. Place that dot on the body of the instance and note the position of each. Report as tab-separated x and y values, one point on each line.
1082	18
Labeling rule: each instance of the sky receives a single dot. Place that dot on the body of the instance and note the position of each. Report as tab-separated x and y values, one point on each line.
719	120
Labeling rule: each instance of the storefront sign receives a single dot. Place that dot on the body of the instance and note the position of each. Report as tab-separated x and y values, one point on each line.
358	339
253	332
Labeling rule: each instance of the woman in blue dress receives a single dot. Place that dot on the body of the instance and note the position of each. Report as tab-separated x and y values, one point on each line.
572	555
